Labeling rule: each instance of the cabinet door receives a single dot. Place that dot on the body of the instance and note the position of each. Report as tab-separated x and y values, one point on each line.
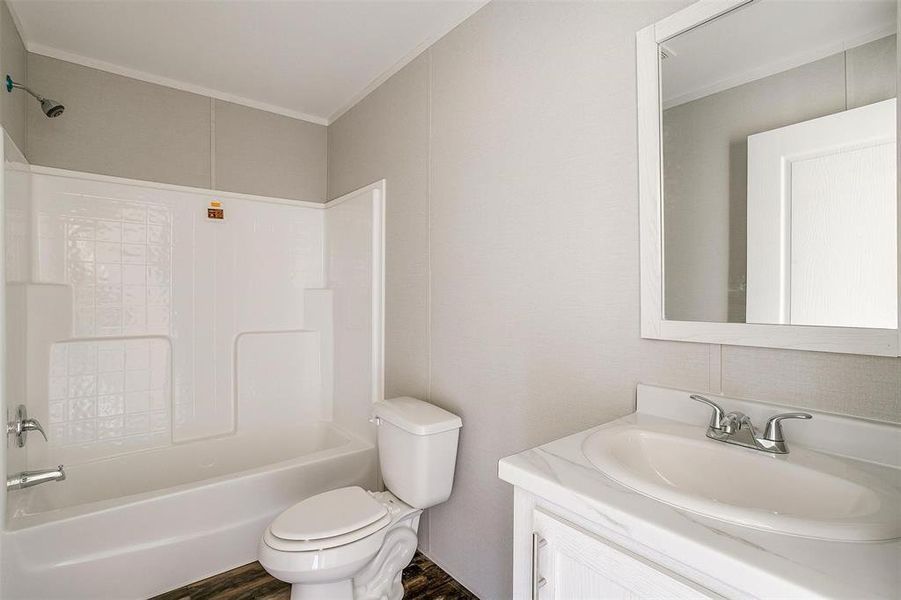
573	564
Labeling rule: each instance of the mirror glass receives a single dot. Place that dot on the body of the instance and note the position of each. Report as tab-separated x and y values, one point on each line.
779	166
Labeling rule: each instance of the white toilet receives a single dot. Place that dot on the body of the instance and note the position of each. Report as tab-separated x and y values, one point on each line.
350	544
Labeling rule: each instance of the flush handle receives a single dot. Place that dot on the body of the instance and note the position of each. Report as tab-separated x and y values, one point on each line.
538	581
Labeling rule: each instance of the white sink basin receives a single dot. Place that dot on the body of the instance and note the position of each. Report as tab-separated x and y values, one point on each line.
802	493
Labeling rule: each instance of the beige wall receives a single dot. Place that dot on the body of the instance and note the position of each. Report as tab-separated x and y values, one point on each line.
518	180
115	125
120	126
706	140
387	137
13	63
258	152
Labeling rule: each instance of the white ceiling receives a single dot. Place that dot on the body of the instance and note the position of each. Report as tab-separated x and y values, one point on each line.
763	38
307	59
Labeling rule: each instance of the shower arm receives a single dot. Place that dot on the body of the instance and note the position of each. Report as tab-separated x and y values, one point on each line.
10	85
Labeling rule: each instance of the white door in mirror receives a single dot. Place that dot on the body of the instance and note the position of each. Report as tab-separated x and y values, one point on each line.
822	221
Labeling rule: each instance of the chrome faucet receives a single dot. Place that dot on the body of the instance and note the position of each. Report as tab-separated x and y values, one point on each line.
29	478
22	425
20	428
737	428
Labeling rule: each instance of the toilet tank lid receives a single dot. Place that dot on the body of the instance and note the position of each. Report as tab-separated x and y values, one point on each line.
415	416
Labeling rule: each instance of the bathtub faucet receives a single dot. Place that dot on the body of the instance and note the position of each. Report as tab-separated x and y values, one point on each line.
29	478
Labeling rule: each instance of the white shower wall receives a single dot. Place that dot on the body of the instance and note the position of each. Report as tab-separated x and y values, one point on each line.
355	238
137	322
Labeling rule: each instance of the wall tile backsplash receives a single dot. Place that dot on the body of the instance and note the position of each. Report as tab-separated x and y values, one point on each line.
102	392
117	255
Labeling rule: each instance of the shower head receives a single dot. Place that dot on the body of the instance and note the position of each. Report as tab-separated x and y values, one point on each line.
51	108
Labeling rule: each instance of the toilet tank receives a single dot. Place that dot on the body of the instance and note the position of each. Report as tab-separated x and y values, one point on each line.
417	444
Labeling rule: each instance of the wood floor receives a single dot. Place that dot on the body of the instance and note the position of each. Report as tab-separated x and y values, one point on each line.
423	580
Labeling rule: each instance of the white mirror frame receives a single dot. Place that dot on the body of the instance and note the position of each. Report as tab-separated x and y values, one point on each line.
851	340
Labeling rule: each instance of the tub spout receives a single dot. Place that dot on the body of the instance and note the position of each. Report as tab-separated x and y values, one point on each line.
29	478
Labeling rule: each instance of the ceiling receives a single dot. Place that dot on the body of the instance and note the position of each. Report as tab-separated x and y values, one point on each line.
763	38
306	59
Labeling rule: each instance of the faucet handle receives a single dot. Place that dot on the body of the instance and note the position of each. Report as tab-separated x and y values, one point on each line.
22	425
716	418
773	431
34	425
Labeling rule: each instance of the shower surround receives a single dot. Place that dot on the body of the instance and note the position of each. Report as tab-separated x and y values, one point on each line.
195	375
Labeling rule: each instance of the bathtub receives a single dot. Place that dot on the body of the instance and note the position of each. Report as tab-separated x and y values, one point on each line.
141	524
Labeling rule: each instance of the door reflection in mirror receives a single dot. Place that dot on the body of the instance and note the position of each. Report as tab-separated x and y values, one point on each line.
779	169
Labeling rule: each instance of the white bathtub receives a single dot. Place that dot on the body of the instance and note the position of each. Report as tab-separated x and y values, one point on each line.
145	523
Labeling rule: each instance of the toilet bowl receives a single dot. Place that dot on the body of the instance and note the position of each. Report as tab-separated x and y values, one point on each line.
321	545
352	544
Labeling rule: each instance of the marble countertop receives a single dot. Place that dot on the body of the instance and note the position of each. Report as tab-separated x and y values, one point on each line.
741	561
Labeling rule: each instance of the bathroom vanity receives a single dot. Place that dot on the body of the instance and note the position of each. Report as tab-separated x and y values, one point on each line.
710	517
749	237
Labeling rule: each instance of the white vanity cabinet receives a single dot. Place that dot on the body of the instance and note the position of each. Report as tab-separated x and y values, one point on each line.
575	564
556	559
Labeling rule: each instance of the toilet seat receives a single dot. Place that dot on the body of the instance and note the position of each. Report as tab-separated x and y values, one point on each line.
327	520
326	567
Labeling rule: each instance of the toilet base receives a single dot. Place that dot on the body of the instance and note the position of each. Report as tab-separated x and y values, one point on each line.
336	590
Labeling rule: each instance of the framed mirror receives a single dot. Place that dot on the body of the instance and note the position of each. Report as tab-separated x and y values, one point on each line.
768	165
